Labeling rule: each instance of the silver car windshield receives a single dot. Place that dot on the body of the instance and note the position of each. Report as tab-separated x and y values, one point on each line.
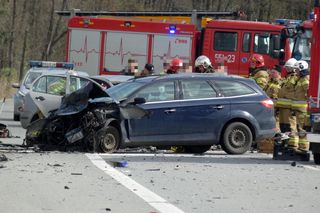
30	78
122	91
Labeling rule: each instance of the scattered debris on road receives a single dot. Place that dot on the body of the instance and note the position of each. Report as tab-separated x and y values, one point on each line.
4	131
122	163
76	173
3	158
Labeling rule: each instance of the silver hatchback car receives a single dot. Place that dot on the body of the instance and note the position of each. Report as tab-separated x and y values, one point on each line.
37	68
46	92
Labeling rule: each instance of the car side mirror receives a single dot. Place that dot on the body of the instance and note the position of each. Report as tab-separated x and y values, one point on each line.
15	85
139	100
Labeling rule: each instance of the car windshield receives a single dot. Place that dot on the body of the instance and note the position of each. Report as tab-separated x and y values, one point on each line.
30	78
122	91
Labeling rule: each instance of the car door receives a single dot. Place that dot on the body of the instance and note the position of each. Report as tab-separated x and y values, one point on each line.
47	91
160	123
202	111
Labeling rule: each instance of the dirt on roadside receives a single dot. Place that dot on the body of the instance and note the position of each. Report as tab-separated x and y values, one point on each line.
7	91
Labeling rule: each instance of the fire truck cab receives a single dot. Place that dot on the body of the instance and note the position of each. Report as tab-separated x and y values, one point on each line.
231	43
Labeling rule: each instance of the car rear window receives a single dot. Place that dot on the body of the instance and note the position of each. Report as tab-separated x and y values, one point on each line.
31	77
197	89
233	88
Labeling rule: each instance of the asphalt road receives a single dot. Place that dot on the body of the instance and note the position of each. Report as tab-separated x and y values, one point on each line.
151	181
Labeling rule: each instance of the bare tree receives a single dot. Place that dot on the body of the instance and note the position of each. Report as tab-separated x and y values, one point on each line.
12	34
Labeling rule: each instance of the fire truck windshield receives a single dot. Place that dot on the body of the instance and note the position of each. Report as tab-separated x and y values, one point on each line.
301	50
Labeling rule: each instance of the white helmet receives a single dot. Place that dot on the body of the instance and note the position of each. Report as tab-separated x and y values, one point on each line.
301	65
291	62
203	60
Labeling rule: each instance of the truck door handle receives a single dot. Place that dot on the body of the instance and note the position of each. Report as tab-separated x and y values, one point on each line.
169	111
218	107
40	98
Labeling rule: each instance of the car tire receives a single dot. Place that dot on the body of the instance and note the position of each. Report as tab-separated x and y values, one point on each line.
16	117
197	149
107	140
237	138
316	157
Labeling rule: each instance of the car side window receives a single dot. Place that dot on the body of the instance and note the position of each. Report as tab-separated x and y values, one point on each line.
261	44
233	88
162	91
40	85
195	89
77	83
56	85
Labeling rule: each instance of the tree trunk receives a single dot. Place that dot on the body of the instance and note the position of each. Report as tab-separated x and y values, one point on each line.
23	54
54	38
12	34
219	5
25	35
45	52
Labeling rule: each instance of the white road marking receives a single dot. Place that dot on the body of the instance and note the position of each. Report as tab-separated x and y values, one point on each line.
151	198
311	167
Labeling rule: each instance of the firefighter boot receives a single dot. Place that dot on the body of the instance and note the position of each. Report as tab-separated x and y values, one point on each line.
293	141
303	145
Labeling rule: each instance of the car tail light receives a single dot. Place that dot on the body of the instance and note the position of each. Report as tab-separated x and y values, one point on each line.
268	103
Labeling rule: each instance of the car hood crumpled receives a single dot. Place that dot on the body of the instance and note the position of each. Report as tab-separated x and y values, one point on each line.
78	100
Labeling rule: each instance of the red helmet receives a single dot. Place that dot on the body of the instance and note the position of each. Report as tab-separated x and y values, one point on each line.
175	64
256	61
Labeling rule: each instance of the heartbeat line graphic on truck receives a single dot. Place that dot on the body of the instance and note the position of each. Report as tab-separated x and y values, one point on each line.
168	55
122	54
84	50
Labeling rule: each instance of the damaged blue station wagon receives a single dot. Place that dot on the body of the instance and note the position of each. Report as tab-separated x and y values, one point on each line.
190	110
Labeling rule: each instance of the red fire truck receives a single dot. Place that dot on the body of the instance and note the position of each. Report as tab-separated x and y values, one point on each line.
314	90
103	45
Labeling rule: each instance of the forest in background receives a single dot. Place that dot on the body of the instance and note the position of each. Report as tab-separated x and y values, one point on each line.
31	30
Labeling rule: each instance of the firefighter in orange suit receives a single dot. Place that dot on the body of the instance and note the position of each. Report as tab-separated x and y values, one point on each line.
287	118
258	70
300	104
272	90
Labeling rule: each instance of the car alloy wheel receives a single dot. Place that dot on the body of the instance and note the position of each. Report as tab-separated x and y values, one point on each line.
237	138
107	140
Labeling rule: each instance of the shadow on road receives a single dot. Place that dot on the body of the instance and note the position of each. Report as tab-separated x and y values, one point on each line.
208	158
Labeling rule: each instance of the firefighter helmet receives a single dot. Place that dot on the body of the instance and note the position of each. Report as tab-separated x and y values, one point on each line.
150	68
175	65
204	61
291	62
301	65
256	61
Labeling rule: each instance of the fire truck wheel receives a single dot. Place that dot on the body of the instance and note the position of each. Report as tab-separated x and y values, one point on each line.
237	138
197	149
107	140
316	157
